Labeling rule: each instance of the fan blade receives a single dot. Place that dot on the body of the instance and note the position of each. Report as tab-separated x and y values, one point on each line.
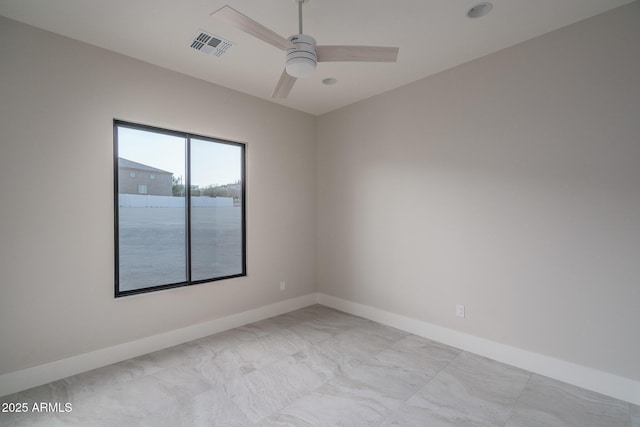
284	86
357	53
236	19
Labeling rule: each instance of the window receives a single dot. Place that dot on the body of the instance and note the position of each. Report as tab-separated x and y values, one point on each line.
188	227
132	174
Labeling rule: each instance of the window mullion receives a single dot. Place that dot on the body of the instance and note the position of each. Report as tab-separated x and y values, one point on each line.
188	206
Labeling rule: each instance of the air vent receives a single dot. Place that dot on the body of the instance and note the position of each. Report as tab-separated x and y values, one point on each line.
210	44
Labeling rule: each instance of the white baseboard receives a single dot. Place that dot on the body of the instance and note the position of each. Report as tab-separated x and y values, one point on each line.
578	375
14	382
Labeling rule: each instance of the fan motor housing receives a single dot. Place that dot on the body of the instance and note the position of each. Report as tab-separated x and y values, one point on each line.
302	58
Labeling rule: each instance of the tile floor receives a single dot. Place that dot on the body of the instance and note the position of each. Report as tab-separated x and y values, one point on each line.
317	367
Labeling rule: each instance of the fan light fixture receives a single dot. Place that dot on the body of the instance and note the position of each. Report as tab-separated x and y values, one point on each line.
302	52
302	58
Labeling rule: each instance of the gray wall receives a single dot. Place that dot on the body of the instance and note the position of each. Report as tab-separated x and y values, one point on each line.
58	99
510	184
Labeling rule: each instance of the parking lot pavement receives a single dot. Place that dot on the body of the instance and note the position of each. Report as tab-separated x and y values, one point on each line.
152	245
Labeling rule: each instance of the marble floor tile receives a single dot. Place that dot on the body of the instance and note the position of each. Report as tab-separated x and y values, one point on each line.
367	343
419	354
54	391
129	370
319	362
285	420
472	390
57	391
210	408
271	326
340	320
231	338
269	389
317	367
270	348
107	376
343	351
181	382
415	416
341	402
378	329
391	380
220	367
296	317
550	403
312	312
125	404
315	332
36	420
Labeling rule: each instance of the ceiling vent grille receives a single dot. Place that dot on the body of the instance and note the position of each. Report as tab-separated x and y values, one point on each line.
210	44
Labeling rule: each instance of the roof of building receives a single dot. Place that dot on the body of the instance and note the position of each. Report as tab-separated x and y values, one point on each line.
125	163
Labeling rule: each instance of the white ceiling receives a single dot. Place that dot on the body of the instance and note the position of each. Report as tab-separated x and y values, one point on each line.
432	35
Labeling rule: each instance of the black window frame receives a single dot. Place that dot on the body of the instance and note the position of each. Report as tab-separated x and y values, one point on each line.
187	185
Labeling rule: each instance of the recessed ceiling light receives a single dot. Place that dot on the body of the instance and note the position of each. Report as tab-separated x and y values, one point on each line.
481	9
330	81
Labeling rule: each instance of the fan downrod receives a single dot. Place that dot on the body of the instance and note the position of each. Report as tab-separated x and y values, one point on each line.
300	3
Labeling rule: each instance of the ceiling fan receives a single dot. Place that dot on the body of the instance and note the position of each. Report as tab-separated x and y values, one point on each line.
302	52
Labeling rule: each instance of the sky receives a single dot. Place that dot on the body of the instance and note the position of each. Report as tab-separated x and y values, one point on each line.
211	163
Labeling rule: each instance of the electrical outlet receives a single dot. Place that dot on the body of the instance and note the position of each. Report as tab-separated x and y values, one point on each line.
283	285
459	310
